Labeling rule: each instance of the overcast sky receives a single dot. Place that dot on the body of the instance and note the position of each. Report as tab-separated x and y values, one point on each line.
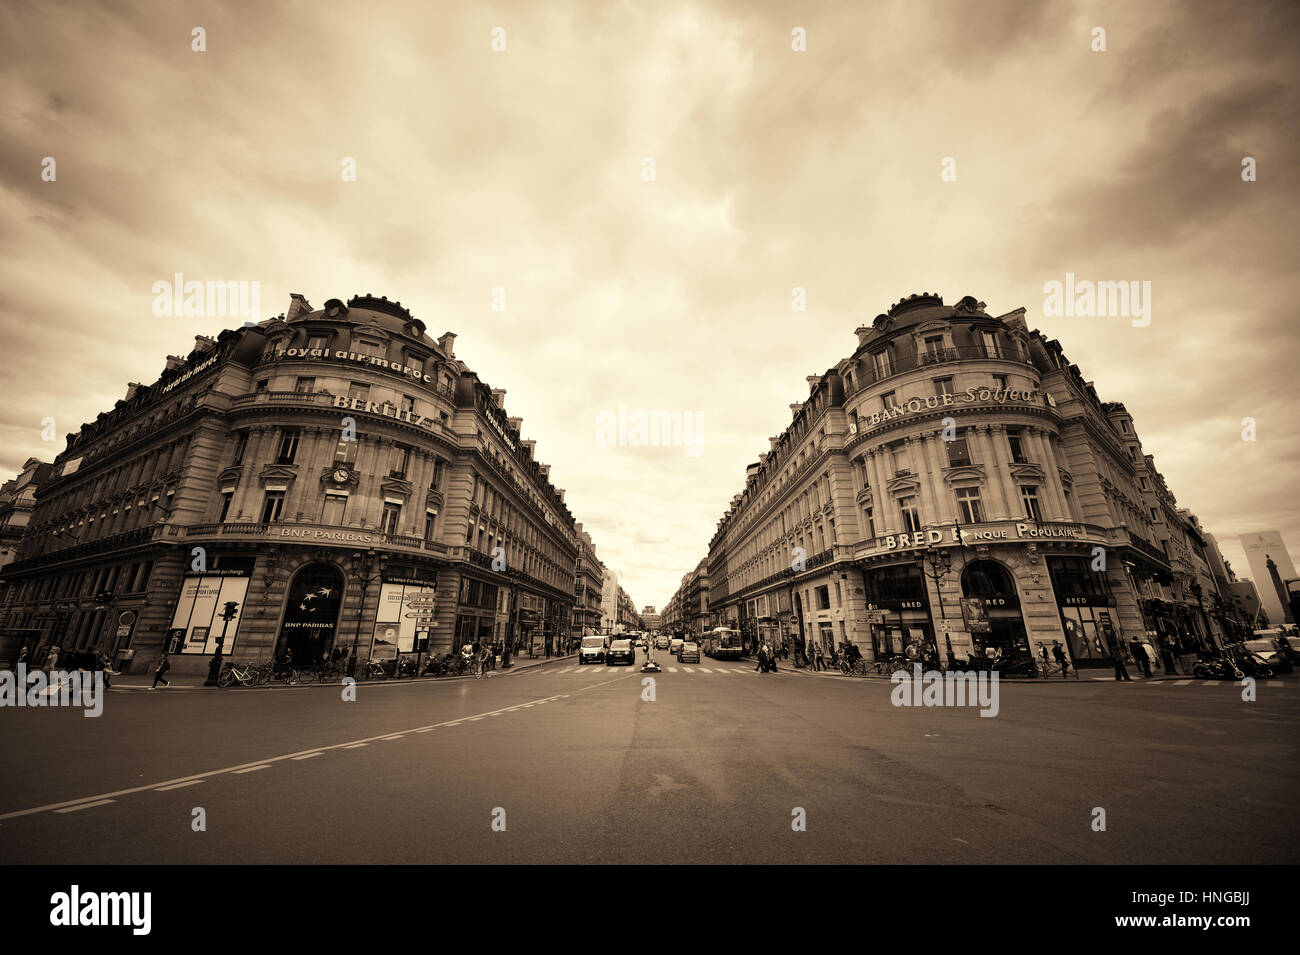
524	170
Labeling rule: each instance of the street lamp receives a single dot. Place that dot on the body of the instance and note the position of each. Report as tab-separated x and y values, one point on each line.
935	563
362	564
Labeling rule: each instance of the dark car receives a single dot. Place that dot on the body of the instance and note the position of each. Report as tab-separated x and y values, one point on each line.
688	653
1271	654
620	651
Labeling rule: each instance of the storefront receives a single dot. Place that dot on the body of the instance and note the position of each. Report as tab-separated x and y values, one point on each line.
475	613
1087	609
197	622
991	606
898	612
311	614
404	618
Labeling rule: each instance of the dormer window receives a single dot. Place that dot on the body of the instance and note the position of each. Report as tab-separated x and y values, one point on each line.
882	363
365	347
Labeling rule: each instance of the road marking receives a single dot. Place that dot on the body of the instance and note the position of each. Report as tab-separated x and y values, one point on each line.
188	782
394	736
703	670
686	669
1183	682
85	805
85	802
304	756
672	669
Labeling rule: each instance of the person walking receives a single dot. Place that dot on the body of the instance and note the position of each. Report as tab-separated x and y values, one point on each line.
761	665
1140	657
771	658
1061	661
106	667
160	674
821	657
53	659
1117	657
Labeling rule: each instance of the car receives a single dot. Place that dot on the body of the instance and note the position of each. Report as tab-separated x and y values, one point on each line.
1272	655
661	642
674	645
592	650
688	652
620	651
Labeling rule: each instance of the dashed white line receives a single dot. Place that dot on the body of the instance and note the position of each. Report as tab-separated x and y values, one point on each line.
188	782
250	769
85	805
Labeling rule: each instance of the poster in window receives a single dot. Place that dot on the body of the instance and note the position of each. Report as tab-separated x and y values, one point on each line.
975	614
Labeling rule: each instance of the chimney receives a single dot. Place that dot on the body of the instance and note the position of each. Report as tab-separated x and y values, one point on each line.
863	332
773	443
298	305
528	447
812	382
795	409
499	397
174	362
203	342
560	491
131	388
515	423
446	343
545	469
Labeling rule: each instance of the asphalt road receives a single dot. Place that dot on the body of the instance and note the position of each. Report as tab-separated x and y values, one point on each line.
579	768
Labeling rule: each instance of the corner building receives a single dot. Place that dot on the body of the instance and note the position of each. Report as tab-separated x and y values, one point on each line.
955	482
336	472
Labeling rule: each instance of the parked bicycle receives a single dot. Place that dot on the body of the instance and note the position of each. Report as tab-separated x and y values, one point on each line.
245	674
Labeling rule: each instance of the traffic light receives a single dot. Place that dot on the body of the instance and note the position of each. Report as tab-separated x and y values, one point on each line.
231	608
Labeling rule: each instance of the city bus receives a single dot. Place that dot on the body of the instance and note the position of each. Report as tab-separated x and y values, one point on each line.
722	643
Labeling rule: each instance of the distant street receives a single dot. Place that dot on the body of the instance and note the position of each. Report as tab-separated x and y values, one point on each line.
710	771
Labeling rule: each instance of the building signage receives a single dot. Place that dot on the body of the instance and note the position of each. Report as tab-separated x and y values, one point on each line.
403	619
978	533
323	354
914	406
386	410
359	537
196	370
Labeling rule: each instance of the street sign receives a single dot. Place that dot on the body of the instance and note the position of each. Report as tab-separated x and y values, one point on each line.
875	616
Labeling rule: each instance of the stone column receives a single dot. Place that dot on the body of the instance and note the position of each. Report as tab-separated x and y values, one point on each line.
1042	442
1002	458
938	458
996	506
918	456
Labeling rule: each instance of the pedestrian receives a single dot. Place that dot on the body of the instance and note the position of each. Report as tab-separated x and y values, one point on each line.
106	666
53	659
22	656
761	665
1117	657
1061	660
771	658
1140	657
821	657
160	674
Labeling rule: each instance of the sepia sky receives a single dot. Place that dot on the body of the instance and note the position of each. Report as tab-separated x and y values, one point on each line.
523	170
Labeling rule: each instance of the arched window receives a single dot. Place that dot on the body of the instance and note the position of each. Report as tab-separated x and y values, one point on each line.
987	578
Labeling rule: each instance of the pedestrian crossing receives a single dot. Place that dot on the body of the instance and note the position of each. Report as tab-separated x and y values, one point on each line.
691	668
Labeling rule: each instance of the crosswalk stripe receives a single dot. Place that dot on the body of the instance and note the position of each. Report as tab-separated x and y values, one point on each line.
672	669
1183	682
703	670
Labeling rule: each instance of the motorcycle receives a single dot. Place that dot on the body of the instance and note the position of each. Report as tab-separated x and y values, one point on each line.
1217	668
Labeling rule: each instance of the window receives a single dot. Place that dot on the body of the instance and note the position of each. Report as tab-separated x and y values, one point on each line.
887	400
1029	498
305	386
317	341
408	403
968	504
332	512
871	523
288	447
416	365
990	344
358	390
911	520
1000	382
263	386
363	347
958	452
1155	516
226	498
430	524
1017	450
388	524
943	386
272	507
241	445
898	454
884	367
824	598
401	460
934	346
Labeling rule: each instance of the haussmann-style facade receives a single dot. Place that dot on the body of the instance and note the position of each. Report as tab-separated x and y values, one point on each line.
335	472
